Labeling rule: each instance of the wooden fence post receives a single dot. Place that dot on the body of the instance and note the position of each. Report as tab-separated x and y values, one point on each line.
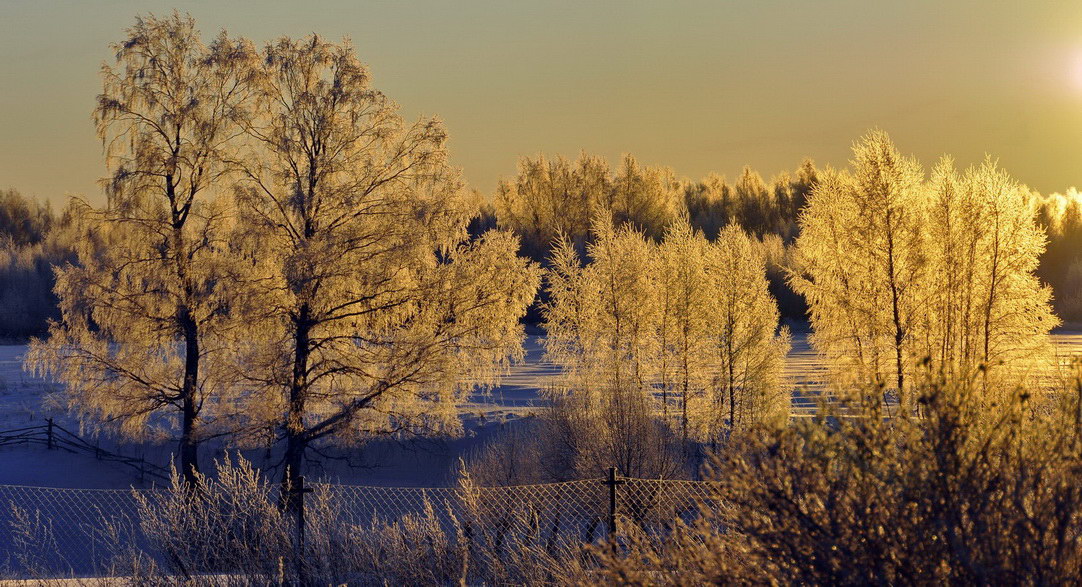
612	482
49	439
298	495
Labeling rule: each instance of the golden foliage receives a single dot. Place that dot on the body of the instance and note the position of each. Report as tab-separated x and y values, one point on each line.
367	311
897	268
686	324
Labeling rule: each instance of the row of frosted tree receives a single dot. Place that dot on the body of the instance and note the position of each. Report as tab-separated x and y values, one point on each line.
910	277
553	199
550	199
686	323
282	259
901	269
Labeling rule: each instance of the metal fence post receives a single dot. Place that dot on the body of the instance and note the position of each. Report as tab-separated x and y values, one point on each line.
49	440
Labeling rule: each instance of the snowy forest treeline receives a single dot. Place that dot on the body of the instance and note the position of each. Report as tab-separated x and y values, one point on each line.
552	196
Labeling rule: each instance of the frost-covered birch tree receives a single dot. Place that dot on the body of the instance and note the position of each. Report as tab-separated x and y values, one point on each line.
899	270
142	312
748	347
986	310
861	264
603	315
720	353
683	332
685	329
369	311
602	321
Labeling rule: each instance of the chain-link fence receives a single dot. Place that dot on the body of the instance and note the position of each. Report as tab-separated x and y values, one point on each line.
556	512
50	532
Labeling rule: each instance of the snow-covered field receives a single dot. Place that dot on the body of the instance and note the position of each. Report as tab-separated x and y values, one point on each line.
419	464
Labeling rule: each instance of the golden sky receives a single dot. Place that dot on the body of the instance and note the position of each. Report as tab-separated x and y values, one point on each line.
699	86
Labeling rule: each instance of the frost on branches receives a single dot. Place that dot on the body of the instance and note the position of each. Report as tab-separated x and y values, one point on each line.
900	270
368	311
143	312
686	327
280	254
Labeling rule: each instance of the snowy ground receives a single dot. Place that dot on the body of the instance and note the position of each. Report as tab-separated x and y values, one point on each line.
419	464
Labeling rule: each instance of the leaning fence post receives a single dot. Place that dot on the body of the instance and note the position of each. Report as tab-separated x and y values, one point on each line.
49	440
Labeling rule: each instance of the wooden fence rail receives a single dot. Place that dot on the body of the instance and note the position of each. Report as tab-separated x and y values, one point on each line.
56	437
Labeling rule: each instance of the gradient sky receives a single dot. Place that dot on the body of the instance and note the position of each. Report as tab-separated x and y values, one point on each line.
699	86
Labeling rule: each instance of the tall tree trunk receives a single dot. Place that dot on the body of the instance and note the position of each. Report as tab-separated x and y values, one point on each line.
896	315
730	330
296	441
732	400
189	441
993	287
687	376
684	419
189	391
294	464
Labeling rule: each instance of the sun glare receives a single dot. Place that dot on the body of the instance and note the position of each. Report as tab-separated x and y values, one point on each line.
1075	71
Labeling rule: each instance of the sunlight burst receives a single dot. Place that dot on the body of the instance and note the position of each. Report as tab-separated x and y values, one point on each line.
1075	70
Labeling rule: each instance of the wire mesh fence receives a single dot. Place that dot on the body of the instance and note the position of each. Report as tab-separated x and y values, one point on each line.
654	505
49	532
555	513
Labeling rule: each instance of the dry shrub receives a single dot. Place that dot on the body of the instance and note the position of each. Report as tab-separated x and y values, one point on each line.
229	524
574	439
476	542
952	496
32	541
231	530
